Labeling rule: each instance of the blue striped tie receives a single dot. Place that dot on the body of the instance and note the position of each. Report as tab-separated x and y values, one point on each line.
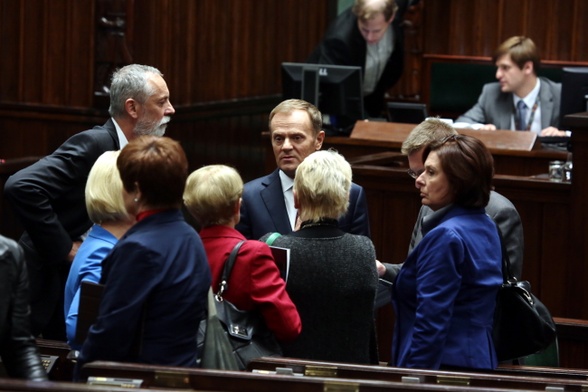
522	115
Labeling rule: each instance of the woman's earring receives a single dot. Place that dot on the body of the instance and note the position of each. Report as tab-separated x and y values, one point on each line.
136	200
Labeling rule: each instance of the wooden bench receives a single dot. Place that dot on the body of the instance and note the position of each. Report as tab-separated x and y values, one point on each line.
61	368
488	379
7	384
218	380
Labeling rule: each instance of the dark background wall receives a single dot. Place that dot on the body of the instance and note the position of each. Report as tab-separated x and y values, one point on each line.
221	59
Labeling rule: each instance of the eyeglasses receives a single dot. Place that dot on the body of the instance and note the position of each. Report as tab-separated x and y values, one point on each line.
414	174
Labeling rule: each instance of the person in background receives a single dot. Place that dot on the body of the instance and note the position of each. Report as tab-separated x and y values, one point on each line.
268	205
367	35
520	100
332	279
106	209
499	208
48	196
156	277
18	351
445	293
213	197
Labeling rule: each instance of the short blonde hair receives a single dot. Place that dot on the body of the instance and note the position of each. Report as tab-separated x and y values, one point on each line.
368	9
211	194
427	132
322	185
104	199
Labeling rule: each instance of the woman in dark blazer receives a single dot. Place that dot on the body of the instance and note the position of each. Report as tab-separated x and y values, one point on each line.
445	293
213	197
156	277
332	278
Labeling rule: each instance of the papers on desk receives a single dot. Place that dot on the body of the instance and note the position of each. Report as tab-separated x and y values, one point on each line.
282	259
465	125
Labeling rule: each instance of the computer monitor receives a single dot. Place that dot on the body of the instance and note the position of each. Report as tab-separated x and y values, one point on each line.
337	91
406	112
574	92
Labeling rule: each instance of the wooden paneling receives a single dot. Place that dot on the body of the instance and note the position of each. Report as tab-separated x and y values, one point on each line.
476	28
225	49
47	48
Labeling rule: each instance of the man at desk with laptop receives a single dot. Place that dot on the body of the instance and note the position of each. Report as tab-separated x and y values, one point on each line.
520	100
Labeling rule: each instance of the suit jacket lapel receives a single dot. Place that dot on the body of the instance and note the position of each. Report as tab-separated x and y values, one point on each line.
504	110
273	198
546	100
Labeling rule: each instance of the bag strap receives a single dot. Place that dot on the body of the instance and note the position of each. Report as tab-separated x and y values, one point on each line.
507	274
228	268
270	240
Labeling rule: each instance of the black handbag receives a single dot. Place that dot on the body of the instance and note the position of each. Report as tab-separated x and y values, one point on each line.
246	330
522	324
217	351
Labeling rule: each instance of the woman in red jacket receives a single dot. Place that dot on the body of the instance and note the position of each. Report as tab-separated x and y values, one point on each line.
213	197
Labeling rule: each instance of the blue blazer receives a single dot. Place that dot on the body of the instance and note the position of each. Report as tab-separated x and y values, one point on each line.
86	267
156	284
263	209
445	294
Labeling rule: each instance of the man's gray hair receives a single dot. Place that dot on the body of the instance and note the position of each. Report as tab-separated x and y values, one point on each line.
130	81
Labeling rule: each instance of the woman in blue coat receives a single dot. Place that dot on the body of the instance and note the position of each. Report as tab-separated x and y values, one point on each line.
445	294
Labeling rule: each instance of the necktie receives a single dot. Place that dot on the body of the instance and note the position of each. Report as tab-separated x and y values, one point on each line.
522	115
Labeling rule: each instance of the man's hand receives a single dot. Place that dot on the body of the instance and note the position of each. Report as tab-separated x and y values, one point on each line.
488	127
552	131
381	268
74	250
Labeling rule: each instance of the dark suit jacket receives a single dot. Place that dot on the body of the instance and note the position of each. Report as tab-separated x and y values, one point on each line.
48	197
343	44
156	277
496	107
19	353
263	209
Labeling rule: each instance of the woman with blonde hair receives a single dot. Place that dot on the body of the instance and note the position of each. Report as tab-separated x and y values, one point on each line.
213	197
106	208
332	278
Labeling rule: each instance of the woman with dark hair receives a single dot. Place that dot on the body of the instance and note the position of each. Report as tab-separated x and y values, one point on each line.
445	293
156	277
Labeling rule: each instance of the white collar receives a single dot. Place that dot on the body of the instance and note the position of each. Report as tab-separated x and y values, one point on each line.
286	181
122	139
531	97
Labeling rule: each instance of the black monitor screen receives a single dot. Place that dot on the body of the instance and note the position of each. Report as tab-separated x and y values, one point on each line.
406	112
335	89
574	91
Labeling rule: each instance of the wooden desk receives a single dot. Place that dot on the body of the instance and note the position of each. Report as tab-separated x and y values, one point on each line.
515	153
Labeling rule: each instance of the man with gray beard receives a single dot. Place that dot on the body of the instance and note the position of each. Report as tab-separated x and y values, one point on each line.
48	196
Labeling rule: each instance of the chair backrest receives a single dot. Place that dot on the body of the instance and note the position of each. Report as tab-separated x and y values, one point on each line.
548	357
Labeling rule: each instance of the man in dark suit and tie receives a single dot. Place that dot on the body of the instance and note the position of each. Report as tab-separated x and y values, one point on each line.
48	196
268	205
520	100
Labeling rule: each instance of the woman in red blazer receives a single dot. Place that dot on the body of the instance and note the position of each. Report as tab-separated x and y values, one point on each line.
213	197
